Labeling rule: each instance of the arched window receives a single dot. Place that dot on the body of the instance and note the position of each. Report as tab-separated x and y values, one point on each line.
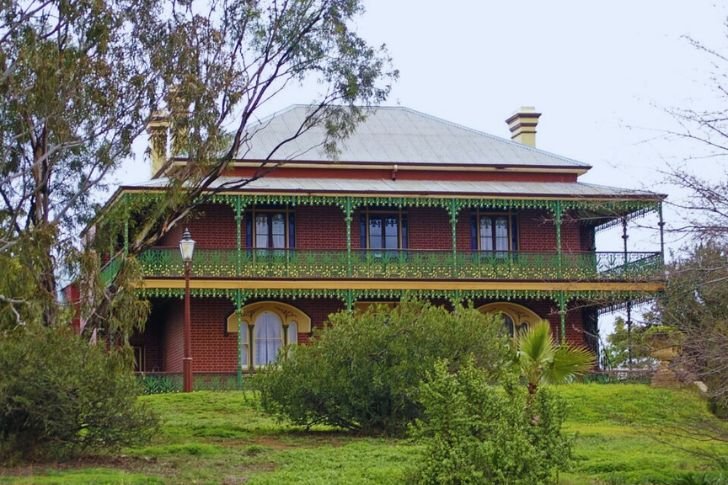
268	337
508	324
265	327
516	318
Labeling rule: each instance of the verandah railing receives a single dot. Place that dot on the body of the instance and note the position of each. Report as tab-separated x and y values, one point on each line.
406	264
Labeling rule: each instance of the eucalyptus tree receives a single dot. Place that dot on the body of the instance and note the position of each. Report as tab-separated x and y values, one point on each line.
79	79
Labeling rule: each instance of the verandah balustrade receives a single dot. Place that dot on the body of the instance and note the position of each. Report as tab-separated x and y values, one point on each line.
403	264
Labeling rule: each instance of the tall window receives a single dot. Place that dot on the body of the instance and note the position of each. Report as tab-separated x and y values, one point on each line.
383	230
268	337
270	229
494	232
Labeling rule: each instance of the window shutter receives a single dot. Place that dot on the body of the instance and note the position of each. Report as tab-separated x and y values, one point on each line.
514	233
405	241
473	231
363	231
249	230
291	230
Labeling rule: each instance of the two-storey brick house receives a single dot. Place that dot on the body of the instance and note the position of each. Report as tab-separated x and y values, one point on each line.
413	205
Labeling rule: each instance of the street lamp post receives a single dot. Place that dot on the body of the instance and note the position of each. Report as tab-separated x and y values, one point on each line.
187	248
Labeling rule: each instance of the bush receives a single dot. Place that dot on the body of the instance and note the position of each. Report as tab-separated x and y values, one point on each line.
475	432
155	384
60	396
363	371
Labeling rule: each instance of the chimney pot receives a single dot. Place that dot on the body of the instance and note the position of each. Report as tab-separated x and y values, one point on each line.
523	125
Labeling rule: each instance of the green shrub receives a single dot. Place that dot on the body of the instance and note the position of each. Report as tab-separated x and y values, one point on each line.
363	371
475	432
60	396
155	384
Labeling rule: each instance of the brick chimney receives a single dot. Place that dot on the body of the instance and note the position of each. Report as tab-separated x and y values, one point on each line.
158	130
523	125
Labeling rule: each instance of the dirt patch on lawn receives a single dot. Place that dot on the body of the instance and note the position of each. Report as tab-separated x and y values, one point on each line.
121	462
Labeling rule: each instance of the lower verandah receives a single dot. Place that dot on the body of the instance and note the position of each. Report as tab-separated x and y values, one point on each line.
215	345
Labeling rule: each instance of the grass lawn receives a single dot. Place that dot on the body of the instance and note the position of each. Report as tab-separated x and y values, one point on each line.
624	434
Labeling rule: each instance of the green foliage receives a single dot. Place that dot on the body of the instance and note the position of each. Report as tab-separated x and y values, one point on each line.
541	361
694	303
363	371
618	343
475	432
162	384
153	384
616	429
60	396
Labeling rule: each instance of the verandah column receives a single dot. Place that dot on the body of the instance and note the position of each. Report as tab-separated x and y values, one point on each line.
661	224
453	212
625	236
558	216
126	235
239	304
347	218
239	235
562	317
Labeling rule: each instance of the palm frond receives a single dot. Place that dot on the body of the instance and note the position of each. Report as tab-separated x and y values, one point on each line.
536	345
568	362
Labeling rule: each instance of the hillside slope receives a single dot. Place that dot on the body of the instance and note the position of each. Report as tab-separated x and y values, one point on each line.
624	434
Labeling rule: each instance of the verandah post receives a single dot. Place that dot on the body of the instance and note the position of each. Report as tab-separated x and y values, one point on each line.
661	224
558	215
239	303
126	235
453	210
347	219
562	317
239	235
625	236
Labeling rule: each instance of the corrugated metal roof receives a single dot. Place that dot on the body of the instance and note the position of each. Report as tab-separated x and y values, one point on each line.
394	135
416	187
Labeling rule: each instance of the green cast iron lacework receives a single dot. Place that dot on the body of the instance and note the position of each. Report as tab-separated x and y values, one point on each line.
406	265
618	207
605	297
110	269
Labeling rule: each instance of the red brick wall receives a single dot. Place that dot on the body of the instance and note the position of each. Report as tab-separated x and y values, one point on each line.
428	228
536	232
212	226
212	349
321	227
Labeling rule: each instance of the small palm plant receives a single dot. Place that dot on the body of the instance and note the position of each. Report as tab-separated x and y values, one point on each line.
544	362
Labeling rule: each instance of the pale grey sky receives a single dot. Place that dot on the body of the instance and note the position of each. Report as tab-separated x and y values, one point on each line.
600	72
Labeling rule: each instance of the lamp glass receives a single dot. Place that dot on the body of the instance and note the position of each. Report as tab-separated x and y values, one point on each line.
187	246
